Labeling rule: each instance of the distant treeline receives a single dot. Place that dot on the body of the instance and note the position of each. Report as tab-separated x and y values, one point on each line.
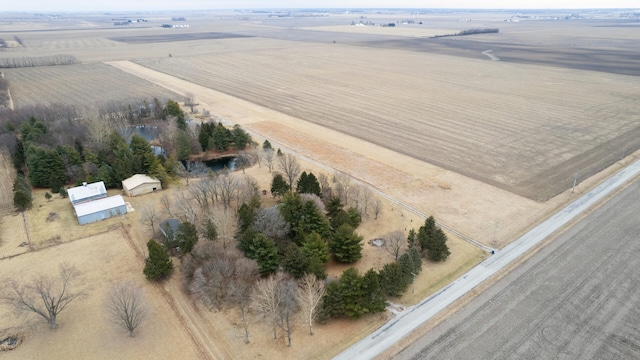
472	32
28	61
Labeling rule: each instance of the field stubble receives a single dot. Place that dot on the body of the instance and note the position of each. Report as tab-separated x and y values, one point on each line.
519	127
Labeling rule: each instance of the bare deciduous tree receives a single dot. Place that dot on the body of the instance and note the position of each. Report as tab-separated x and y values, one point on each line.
290	166
184	207
269	221
265	299
149	216
316	201
287	292
225	221
395	243
190	101
247	189
98	134
325	186
245	159
126	305
309	297
365	199
268	155
275	297
45	295
377	208
240	289
228	185
343	183
166	204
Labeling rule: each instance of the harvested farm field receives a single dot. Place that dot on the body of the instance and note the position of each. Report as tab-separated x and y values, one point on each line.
527	129
88	85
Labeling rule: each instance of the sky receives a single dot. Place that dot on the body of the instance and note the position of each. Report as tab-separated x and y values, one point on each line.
127	5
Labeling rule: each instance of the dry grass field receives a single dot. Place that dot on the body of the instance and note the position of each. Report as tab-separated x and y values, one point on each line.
488	147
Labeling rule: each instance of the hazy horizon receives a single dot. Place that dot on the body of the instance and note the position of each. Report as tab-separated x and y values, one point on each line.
149	5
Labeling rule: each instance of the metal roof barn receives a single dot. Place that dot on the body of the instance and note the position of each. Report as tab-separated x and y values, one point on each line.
87	192
100	209
140	184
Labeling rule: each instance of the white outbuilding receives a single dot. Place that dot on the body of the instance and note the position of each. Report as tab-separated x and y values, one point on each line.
140	184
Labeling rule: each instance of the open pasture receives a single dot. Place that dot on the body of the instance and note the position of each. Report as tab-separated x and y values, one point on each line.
82	85
528	129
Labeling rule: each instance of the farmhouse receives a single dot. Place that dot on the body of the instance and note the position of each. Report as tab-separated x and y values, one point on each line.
87	192
100	209
140	184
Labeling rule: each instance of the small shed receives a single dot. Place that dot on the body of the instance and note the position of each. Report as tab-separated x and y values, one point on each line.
100	209
140	184
87	192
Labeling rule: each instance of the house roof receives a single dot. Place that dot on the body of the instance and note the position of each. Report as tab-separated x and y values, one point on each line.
137	180
86	191
95	206
174	223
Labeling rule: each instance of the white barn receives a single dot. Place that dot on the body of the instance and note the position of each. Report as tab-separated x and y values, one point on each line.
87	192
100	209
140	184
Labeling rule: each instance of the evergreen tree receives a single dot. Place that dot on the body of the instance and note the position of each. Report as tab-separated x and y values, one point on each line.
186	237
316	267
158	265
438	249
412	239
266	145
374	301
219	140
22	198
46	168
18	156
245	217
32	130
354	217
210	230
433	241
279	185
309	220
346	245
314	247
172	108
334	206
206	131
265	253
308	184
183	146
295	262
240	137
392	280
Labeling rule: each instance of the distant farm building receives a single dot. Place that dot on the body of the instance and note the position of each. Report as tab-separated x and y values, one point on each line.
140	184
91	203
87	192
